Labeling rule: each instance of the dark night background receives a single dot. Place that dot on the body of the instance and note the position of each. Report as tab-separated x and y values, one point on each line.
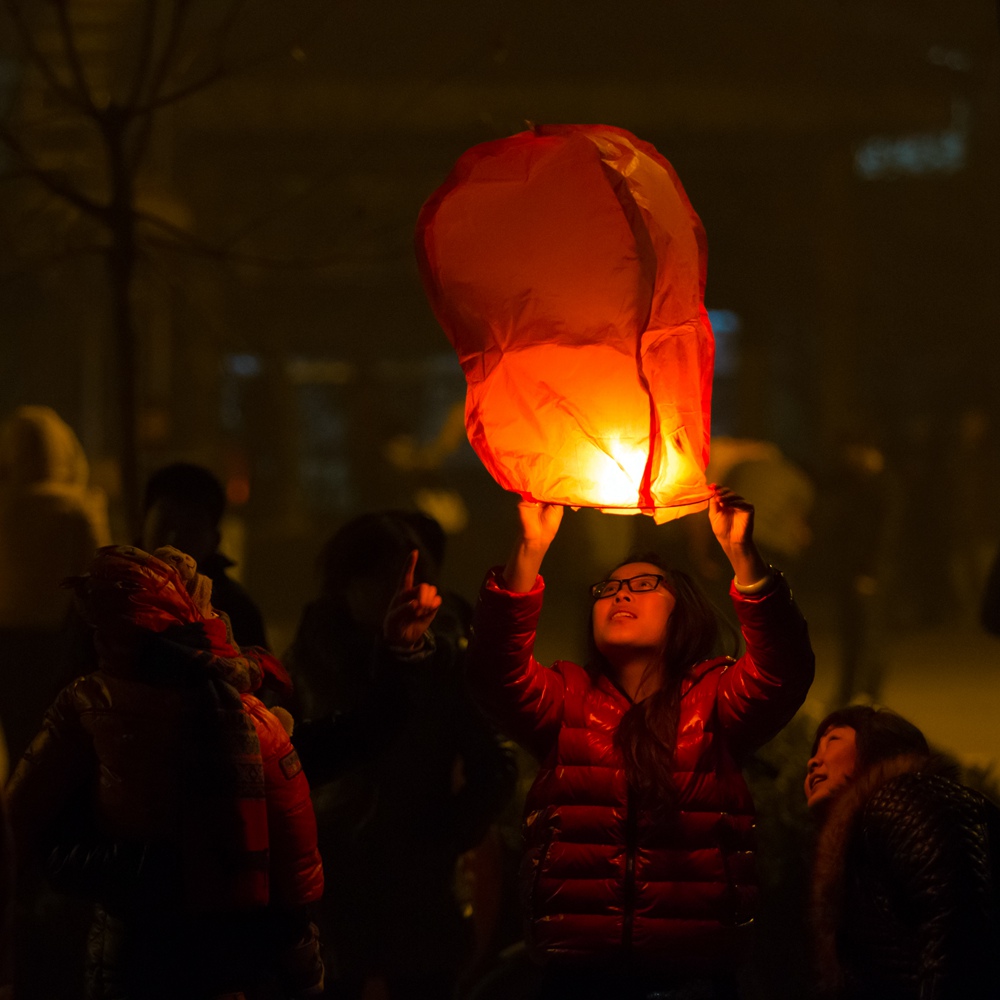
843	156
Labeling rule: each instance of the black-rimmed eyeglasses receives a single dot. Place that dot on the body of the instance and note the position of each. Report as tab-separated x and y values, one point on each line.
637	584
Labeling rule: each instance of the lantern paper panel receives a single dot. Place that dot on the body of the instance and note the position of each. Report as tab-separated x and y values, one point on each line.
567	268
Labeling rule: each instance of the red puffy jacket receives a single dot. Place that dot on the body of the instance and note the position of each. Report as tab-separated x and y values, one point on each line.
602	883
171	747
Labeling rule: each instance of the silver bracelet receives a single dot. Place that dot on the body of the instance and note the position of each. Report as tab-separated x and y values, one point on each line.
752	589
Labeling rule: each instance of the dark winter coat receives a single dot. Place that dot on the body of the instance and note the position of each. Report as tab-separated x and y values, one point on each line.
602	881
905	900
429	777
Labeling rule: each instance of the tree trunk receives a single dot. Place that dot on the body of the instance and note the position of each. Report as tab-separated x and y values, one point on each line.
121	261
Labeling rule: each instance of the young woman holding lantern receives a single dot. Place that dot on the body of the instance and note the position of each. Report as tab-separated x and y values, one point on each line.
567	266
638	874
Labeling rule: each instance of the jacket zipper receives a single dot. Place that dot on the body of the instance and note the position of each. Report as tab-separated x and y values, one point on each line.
631	836
539	871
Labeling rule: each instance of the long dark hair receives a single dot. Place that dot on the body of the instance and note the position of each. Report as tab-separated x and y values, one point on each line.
647	734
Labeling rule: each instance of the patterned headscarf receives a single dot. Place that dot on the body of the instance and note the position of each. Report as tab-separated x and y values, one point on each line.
129	594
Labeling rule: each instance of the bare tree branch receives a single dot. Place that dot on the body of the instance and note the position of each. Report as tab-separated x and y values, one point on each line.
38	60
227	23
206	81
155	80
182	241
413	99
63	189
155	99
168	50
221	69
144	51
53	182
73	56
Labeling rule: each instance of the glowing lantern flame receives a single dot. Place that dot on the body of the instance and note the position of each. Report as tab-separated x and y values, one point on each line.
567	267
618	473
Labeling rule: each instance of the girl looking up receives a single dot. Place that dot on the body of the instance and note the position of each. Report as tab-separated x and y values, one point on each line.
638	874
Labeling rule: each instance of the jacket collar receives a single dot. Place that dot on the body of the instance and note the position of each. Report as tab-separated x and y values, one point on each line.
694	675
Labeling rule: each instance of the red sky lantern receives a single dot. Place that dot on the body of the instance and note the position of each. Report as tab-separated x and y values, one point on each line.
567	267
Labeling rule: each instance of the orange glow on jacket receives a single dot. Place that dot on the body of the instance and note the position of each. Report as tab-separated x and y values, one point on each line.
567	267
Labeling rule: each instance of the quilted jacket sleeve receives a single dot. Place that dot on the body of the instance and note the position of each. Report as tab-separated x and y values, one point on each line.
55	767
522	697
764	688
929	837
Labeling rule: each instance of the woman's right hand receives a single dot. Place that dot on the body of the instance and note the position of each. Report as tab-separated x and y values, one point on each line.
538	524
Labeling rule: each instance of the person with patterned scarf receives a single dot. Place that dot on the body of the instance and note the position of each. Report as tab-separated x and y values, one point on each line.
182	796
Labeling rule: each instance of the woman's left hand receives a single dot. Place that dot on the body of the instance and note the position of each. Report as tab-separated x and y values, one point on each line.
411	610
731	518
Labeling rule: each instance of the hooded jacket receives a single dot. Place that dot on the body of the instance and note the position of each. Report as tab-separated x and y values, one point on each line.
905	900
51	521
604	883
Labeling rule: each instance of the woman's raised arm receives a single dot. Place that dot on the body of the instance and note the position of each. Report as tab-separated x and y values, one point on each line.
538	524
731	518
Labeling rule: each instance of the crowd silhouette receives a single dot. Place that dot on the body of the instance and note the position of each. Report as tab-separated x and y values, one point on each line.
407	805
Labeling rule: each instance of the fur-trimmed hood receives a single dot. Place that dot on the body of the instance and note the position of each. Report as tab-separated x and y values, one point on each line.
839	825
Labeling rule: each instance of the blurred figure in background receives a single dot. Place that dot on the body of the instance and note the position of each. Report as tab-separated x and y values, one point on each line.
51	523
982	570
989	611
784	498
973	472
922	507
905	899
183	506
858	519
162	788
392	832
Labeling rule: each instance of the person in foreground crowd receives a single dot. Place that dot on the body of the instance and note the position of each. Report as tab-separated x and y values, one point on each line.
638	875
393	829
52	521
167	792
905	901
182	506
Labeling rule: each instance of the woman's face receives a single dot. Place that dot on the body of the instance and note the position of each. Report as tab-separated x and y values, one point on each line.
833	764
630	621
